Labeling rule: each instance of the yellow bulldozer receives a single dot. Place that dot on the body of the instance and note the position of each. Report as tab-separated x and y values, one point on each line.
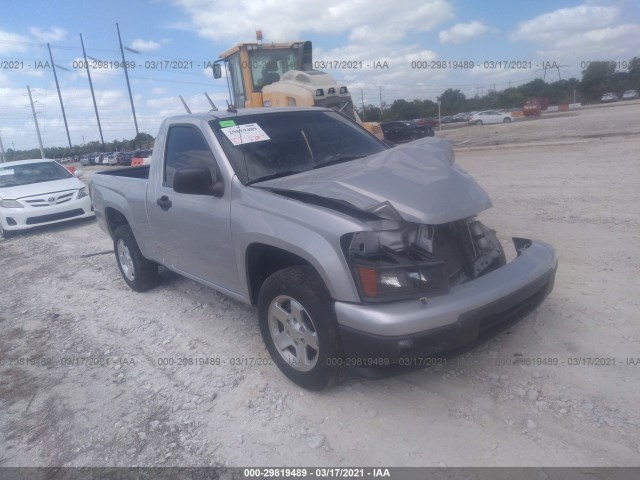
282	75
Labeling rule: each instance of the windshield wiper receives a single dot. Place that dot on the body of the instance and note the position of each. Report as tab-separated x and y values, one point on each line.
338	160
274	175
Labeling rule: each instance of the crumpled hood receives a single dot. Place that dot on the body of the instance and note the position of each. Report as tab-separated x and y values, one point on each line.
41	188
417	179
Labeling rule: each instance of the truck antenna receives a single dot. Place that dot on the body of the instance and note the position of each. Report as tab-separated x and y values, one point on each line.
213	105
186	107
231	108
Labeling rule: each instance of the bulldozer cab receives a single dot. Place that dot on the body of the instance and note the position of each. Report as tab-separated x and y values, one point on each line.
252	66
282	75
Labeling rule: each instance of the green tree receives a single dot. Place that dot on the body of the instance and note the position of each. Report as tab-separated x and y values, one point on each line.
402	110
144	140
634	73
534	88
597	78
453	101
371	113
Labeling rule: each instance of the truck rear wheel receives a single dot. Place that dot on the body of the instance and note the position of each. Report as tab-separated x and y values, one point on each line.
299	328
138	272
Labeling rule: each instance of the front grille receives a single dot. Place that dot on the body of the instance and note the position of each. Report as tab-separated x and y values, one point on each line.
55	216
50	199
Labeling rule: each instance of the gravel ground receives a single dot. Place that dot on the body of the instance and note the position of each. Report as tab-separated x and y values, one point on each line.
91	372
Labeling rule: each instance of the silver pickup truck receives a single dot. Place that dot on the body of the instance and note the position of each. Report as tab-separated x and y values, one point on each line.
358	256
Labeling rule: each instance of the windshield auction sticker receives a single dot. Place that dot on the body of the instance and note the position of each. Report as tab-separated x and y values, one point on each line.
6	172
249	133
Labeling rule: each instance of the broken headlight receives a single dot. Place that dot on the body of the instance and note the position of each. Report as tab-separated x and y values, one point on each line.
394	265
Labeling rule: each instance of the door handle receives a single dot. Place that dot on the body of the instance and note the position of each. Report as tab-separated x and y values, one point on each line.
164	203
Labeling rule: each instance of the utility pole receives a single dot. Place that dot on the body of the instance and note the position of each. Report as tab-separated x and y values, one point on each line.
93	96
126	74
64	116
381	109
2	157
362	99
35	119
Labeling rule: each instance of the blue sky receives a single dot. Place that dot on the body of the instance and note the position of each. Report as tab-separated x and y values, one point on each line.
400	32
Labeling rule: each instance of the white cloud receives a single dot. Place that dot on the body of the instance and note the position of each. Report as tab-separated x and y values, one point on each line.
145	45
586	32
54	34
12	42
564	22
283	20
400	80
159	91
463	32
610	42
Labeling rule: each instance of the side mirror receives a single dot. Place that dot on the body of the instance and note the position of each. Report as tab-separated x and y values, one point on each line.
197	181
217	70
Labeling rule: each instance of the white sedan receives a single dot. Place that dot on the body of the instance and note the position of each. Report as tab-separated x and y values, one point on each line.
490	116
39	192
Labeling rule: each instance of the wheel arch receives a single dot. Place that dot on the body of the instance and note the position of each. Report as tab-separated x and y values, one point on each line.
262	260
114	219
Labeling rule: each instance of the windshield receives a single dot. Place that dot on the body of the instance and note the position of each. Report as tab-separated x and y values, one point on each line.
267	66
26	173
276	144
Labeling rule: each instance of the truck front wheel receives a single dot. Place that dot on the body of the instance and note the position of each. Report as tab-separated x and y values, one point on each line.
139	273
299	328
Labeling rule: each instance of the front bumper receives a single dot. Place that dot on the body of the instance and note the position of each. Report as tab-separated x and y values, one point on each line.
393	333
29	217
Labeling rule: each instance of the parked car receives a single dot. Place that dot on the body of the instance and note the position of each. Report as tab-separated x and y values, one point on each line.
489	117
358	256
141	157
609	97
39	192
103	159
461	117
111	159
405	131
125	159
431	121
630	95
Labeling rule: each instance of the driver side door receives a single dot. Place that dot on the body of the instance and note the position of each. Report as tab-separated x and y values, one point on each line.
193	232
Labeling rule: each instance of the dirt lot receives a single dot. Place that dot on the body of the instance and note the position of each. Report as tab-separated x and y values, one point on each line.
86	379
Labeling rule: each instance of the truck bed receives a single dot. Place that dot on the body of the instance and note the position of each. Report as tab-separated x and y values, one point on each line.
131	172
122	190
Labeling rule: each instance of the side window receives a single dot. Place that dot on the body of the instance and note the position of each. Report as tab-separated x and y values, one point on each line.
186	147
237	86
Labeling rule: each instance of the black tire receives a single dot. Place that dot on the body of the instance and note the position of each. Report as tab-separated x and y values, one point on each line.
323	366
5	233
506	120
138	272
479	122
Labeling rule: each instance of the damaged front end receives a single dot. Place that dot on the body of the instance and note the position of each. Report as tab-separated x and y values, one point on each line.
420	261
